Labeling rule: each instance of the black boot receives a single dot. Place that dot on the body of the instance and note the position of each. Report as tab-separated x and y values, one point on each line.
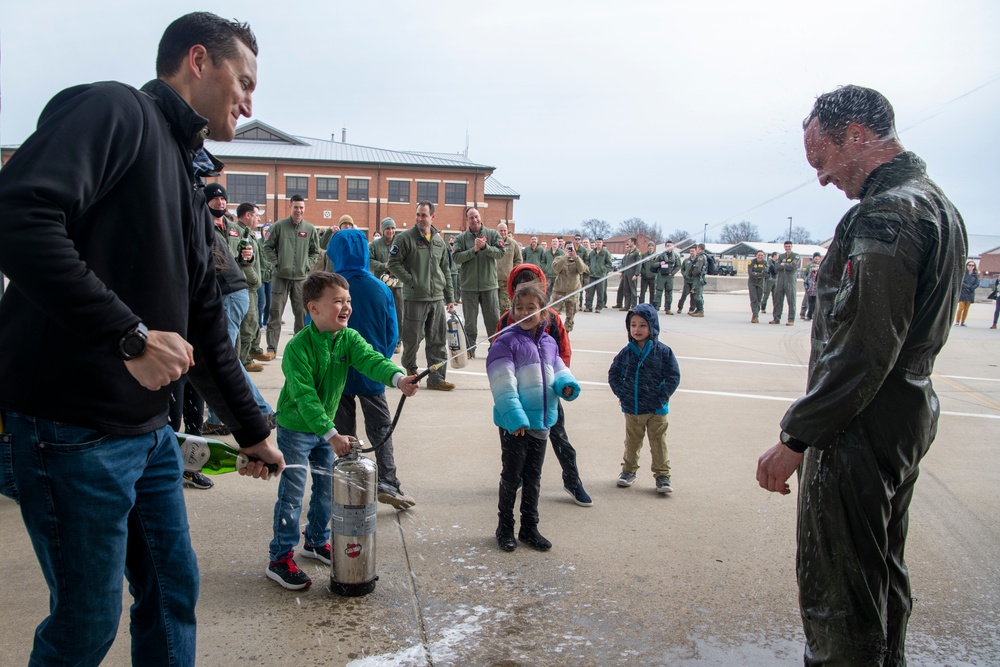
530	536
505	537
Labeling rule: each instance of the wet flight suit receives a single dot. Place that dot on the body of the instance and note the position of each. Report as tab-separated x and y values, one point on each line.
886	293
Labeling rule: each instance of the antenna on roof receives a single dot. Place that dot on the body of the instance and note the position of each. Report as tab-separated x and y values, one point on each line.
466	153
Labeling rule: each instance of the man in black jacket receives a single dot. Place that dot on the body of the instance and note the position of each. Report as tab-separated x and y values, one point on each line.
886	291
101	317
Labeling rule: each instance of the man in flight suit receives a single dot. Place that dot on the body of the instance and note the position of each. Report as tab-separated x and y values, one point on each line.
667	264
784	286
886	291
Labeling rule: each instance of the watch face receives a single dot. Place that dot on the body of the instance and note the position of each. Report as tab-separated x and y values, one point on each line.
134	345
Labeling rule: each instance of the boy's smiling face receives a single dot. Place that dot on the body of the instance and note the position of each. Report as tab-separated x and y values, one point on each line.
332	310
638	328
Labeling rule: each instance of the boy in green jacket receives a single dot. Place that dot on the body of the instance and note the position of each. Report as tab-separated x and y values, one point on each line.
315	366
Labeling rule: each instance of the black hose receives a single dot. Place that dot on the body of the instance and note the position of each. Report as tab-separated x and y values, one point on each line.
399	410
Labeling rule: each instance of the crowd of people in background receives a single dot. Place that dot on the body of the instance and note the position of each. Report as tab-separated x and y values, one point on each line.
73	409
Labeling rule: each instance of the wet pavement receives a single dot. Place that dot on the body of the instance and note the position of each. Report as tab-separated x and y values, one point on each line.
704	576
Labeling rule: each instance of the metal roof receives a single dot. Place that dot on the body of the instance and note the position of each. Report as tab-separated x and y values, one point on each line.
980	243
323	150
494	188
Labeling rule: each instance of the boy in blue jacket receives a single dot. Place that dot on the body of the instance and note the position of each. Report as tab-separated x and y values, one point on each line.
373	315
643	376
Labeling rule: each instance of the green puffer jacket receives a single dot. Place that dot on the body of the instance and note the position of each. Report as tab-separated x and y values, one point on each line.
292	249
421	265
478	270
315	367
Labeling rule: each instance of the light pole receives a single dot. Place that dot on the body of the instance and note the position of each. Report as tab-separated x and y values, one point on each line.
789	228
704	236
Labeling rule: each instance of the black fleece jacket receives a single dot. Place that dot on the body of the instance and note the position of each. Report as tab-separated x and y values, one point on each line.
104	224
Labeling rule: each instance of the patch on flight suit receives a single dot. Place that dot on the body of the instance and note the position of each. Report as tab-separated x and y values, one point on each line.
878	225
393	249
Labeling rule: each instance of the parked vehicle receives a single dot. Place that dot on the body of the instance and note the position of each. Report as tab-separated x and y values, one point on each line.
726	269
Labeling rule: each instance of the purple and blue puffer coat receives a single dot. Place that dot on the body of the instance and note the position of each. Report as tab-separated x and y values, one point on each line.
526	377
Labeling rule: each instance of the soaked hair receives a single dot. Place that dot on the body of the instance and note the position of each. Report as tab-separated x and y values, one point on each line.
531	289
315	283
852	104
217	35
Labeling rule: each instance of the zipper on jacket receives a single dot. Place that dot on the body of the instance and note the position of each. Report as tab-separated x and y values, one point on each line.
545	393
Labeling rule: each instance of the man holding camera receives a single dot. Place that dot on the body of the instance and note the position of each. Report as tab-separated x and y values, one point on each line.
570	269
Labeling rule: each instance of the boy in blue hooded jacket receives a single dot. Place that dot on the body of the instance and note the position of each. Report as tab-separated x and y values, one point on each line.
643	376
373	315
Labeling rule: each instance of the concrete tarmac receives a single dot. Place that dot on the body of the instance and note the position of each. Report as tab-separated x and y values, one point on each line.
705	576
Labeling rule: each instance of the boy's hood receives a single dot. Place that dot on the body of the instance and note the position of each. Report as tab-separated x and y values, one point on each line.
648	313
348	250
517	270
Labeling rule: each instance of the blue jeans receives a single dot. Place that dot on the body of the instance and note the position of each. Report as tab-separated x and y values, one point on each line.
264	303
236	306
98	506
301	449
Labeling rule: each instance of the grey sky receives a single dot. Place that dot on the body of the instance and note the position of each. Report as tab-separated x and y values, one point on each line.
681	115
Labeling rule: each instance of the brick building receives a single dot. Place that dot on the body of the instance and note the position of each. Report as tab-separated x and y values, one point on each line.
267	166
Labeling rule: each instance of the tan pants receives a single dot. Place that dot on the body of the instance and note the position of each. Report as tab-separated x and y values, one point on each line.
655	426
963	311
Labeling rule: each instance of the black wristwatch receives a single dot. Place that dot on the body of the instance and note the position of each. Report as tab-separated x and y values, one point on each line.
793	444
133	344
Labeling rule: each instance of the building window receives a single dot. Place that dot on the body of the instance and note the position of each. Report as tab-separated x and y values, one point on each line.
247	188
454	193
296	185
399	192
327	188
427	192
357	189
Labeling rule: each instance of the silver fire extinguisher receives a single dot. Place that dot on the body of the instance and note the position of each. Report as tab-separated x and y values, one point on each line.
355	483
457	345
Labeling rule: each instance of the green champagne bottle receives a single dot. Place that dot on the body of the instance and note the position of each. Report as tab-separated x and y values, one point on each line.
211	456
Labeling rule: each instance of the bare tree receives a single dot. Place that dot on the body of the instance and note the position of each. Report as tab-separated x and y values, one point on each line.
595	228
739	232
679	235
639	227
801	235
